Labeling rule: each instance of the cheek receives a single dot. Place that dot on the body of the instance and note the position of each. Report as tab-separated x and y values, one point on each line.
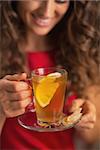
24	10
64	9
24	7
30	5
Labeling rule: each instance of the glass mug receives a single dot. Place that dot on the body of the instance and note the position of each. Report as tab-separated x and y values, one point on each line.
49	87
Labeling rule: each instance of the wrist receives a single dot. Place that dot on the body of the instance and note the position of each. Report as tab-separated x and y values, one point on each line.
2	115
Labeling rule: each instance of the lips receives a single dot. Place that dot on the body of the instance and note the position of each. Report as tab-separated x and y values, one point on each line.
43	22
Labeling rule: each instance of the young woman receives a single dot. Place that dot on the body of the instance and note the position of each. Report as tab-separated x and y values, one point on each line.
48	33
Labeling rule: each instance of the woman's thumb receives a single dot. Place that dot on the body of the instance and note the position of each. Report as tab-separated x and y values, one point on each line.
76	105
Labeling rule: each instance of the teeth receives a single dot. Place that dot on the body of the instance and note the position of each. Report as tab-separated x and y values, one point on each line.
42	22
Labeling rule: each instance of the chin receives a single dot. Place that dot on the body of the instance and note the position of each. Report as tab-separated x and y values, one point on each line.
42	32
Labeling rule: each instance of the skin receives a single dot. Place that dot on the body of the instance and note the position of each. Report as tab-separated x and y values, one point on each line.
14	93
39	18
93	96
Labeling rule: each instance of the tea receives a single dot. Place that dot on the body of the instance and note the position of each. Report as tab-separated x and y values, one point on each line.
49	92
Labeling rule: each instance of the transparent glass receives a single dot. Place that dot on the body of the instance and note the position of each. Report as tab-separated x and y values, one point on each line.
53	81
49	88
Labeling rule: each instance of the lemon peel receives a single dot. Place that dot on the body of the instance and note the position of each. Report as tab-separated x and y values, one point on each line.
45	90
55	74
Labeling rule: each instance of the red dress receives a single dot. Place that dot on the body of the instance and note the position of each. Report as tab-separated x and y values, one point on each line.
15	137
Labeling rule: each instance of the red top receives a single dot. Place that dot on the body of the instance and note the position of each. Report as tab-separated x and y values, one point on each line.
15	137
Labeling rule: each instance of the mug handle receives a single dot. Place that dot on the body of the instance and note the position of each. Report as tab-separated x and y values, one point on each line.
30	107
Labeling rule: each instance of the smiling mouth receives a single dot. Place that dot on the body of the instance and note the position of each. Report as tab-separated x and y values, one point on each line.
40	21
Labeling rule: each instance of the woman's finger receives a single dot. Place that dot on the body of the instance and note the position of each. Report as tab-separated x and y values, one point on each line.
89	118
12	86
16	77
89	108
19	95
10	82
15	105
18	112
81	126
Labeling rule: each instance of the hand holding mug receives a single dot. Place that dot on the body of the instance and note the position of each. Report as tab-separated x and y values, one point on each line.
15	94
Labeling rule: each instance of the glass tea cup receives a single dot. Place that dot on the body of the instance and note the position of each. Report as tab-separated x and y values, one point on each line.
49	86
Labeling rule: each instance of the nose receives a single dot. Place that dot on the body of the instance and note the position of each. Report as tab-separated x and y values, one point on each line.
47	8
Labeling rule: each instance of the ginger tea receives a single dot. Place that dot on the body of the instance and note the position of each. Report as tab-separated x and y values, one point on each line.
49	91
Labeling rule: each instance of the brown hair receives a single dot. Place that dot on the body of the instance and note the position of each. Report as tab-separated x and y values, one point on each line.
12	58
80	49
79	33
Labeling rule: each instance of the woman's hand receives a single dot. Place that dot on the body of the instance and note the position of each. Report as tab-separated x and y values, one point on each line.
15	95
88	118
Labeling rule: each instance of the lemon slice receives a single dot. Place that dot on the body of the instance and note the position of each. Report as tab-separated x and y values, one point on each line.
55	74
46	90
47	79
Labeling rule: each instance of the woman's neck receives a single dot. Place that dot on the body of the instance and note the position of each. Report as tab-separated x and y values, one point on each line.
33	43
